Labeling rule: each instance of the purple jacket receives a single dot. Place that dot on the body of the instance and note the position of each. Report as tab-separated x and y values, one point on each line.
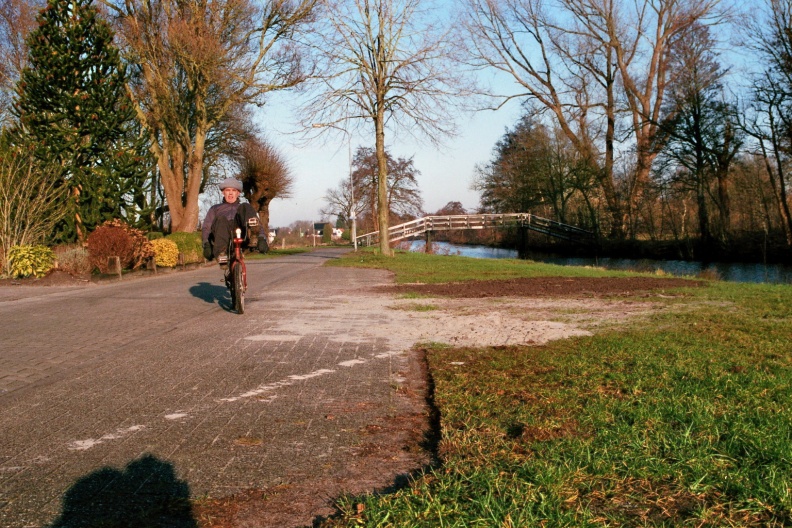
222	209
228	210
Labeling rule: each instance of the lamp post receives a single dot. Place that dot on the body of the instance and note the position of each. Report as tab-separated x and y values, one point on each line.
352	215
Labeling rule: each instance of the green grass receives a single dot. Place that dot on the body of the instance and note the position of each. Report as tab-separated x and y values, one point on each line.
683	421
411	267
272	253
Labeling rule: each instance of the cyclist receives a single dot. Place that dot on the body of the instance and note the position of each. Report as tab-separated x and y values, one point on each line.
223	218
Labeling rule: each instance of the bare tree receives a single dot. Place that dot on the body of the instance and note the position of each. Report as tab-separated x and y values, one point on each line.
770	122
264	175
403	195
195	61
389	66
31	201
702	137
572	61
342	202
17	19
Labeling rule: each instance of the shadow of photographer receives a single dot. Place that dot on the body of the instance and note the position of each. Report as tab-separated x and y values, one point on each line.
145	494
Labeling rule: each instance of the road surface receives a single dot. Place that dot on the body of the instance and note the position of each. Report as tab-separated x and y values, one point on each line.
119	401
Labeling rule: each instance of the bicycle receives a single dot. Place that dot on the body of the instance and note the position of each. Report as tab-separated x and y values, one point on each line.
236	273
232	262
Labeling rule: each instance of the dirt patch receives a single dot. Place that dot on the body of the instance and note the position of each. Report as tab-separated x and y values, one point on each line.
546	287
389	451
516	312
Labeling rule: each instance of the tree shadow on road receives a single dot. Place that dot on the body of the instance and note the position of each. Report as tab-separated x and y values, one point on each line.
145	494
212	293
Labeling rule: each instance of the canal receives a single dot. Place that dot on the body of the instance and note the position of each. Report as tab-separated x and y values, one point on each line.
736	272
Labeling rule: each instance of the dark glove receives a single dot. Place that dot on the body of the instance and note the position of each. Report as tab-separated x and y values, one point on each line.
263	247
207	250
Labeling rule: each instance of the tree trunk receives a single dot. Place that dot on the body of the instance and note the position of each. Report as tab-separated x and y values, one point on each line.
382	185
606	175
701	202
170	160
189	221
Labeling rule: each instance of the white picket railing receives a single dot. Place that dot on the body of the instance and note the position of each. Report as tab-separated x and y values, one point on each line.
478	221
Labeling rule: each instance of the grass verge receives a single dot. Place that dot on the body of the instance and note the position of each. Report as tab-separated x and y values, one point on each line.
684	421
272	253
410	267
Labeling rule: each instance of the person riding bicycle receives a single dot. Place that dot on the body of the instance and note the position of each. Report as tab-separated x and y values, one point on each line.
223	218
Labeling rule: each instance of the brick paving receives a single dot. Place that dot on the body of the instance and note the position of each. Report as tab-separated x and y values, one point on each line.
152	386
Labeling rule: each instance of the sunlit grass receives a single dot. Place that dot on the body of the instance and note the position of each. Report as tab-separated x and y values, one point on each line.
683	421
272	253
420	267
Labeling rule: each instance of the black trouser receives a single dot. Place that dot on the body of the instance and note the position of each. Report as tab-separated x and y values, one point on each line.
223	228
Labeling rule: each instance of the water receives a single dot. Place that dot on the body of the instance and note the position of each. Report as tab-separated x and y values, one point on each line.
735	272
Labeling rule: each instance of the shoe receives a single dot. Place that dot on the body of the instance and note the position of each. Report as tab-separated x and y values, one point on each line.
222	259
252	232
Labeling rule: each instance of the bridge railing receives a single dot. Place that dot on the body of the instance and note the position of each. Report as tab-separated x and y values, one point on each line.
478	221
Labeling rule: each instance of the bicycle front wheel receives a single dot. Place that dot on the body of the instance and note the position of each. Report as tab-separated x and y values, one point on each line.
238	288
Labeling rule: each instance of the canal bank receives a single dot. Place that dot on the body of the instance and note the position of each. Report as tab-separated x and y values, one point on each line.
776	273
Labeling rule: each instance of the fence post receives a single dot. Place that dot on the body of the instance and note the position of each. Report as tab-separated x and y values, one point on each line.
114	265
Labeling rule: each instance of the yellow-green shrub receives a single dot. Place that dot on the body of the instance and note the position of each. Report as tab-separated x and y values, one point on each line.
24	261
189	244
166	252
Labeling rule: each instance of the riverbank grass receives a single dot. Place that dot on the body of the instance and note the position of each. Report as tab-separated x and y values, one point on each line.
685	421
410	267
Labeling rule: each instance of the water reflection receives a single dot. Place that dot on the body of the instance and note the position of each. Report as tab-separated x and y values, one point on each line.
735	272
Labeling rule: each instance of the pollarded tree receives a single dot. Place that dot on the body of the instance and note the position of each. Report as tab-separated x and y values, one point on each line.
264	174
72	105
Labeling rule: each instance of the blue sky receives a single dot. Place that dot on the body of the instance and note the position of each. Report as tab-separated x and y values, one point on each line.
446	172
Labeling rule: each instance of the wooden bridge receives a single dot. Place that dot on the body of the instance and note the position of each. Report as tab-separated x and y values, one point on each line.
429	224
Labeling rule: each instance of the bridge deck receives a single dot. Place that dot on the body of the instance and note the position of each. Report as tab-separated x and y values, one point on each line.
426	224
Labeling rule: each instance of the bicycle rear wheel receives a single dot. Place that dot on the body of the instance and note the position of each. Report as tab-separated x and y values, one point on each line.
238	288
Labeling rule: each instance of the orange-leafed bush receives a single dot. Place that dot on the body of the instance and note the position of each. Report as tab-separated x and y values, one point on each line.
116	239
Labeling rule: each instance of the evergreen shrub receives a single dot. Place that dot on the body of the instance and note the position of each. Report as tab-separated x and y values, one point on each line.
166	252
26	261
190	244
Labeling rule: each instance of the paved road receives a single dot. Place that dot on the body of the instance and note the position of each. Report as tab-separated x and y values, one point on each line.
117	401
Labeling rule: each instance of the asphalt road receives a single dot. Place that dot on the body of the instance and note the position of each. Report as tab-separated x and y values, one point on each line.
118	401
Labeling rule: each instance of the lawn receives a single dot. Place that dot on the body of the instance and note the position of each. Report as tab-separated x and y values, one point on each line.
683	421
